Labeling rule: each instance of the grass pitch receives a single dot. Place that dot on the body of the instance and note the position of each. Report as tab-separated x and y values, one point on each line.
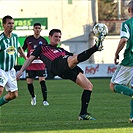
61	116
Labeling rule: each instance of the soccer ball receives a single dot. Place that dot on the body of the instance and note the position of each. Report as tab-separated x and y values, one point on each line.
99	29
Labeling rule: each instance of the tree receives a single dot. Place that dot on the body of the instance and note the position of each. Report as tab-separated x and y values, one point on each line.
108	9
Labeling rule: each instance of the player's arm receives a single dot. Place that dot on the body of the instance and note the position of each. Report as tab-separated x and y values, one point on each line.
125	34
34	55
121	45
67	53
20	50
24	47
25	65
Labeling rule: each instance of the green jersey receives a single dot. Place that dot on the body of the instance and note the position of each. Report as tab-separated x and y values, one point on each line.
8	51
127	32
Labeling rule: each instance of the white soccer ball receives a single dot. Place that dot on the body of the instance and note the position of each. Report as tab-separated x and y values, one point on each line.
100	28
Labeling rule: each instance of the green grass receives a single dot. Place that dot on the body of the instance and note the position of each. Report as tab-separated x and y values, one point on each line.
111	110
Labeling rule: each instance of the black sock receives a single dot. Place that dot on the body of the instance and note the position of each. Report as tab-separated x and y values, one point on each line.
44	90
31	90
86	54
85	101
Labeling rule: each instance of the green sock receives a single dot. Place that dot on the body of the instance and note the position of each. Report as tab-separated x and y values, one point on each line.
123	90
3	101
131	114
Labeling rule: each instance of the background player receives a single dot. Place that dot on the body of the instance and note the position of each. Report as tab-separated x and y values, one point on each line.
37	67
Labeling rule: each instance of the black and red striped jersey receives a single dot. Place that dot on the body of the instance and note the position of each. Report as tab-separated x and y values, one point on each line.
30	44
49	53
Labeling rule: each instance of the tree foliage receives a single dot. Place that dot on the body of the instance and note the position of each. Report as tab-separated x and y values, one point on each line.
108	9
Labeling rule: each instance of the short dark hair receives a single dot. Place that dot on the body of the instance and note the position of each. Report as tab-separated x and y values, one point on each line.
37	24
5	18
130	5
53	31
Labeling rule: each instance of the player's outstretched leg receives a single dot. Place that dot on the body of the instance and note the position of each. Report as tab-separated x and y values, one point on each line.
99	42
87	53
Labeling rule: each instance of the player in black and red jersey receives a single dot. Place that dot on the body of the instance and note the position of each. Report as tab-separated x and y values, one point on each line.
37	67
64	64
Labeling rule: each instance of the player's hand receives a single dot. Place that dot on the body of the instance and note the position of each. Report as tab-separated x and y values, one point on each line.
23	57
19	74
116	59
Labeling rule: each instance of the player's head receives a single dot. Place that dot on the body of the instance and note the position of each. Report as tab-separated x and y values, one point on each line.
8	23
53	31
5	19
37	24
55	36
37	28
130	6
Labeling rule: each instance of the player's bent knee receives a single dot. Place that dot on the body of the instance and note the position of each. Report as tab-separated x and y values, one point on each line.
1	90
14	95
111	87
89	87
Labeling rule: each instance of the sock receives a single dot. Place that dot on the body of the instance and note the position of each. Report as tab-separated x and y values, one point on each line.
44	90
123	90
85	101
3	101
86	54
131	103
31	90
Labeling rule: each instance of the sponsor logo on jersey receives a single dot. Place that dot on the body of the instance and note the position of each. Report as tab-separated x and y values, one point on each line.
35	46
11	50
40	43
54	51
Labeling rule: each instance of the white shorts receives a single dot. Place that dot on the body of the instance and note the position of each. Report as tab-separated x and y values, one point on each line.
122	75
8	80
132	81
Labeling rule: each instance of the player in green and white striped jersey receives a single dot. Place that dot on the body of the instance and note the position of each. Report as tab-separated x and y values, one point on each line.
9	48
132	82
121	79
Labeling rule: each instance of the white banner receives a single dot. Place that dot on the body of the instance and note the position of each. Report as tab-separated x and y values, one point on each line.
98	70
